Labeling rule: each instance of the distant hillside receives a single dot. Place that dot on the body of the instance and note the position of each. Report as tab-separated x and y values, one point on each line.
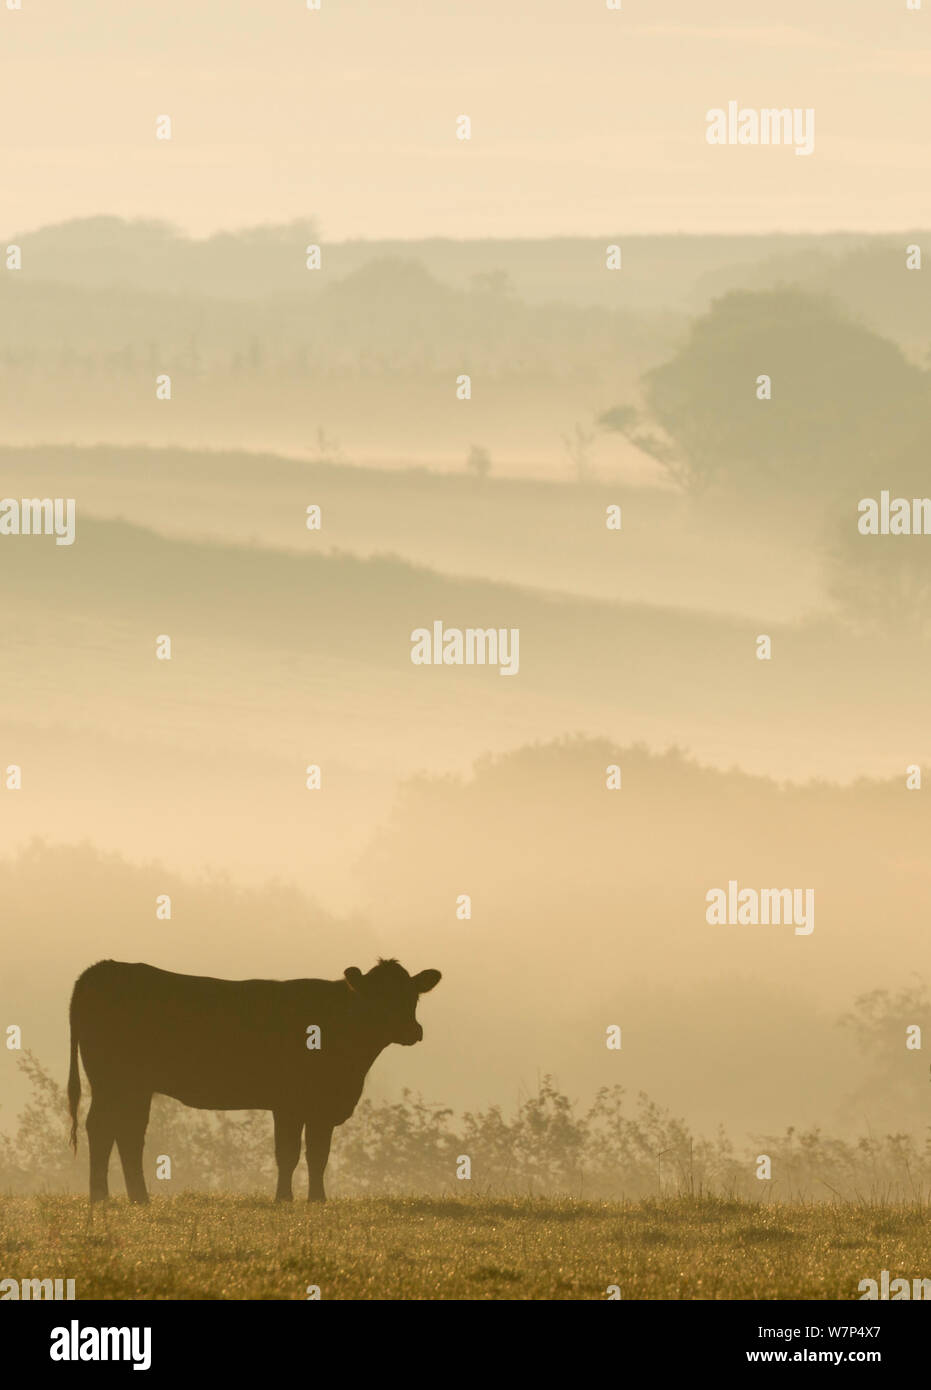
389	314
870	279
660	272
527	532
370	350
323	640
373	358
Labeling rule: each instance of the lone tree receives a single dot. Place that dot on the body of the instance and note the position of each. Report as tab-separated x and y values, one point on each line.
578	446
842	396
479	462
879	583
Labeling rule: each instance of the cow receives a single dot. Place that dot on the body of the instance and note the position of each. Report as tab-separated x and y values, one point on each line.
300	1048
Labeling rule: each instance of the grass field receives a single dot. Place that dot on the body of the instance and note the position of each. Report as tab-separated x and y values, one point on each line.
200	1247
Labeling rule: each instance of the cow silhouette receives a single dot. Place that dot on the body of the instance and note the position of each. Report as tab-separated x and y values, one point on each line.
300	1048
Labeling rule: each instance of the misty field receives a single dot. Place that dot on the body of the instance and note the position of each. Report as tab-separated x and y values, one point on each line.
197	1247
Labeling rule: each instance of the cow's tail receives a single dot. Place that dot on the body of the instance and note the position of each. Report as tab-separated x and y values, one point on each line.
74	1084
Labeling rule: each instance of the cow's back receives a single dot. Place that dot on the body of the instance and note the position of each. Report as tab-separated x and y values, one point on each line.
216	1044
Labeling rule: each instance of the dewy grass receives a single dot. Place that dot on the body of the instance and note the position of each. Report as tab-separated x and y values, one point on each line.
197	1246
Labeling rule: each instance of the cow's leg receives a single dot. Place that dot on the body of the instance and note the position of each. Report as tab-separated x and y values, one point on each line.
132	1119
319	1135
287	1150
101	1132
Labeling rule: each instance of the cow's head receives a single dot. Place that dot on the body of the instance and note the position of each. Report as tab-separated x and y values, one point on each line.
389	996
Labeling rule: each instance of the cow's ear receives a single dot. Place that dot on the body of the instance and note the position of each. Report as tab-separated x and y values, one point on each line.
353	977
427	980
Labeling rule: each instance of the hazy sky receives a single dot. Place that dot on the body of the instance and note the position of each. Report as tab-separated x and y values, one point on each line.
585	121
